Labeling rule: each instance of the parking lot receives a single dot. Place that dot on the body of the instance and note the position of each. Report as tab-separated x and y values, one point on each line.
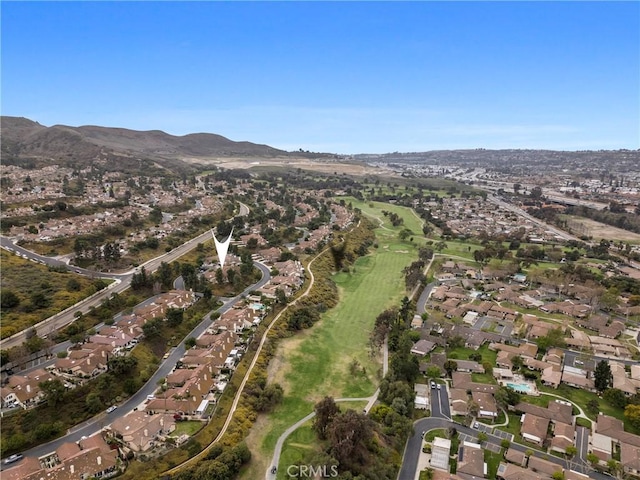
499	433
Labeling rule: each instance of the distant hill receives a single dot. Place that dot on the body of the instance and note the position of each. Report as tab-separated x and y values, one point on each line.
28	143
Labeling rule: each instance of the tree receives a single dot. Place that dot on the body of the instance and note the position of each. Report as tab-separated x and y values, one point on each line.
482	437
433	372
610	299
450	366
40	300
152	328
174	316
517	362
570	452
559	475
593	406
593	459
165	275
613	466
615	397
94	403
602	376
8	299
281	296
326	410
506	396
190	342
53	390
348	435
473	409
632	414
122	365
404	234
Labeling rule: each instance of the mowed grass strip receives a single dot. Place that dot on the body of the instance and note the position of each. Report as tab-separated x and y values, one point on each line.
318	360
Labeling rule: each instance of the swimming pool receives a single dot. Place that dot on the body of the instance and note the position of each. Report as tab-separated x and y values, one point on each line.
519	387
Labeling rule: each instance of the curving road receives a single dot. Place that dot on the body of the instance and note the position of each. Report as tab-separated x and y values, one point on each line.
256	356
96	424
408	471
122	281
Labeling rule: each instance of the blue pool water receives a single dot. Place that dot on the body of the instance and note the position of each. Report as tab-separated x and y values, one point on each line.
519	387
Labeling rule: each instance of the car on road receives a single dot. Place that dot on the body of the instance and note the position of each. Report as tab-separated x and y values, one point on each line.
438	386
13	458
111	408
433	384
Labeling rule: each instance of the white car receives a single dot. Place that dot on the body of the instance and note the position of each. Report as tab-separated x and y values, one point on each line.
438	386
111	408
13	458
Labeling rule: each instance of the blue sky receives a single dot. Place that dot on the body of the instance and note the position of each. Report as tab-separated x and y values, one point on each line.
350	77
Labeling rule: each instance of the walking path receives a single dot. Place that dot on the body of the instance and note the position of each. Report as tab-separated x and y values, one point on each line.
580	415
270	474
193	460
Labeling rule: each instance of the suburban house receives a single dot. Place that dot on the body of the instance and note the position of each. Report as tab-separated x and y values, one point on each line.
140	430
24	390
471	460
610	432
487	404
459	401
463	380
422	347
534	428
88	458
563	436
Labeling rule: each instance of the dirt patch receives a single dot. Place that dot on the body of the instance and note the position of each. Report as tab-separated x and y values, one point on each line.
278	365
330	167
259	461
597	230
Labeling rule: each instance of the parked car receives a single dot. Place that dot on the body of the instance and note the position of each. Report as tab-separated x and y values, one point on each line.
433	384
111	408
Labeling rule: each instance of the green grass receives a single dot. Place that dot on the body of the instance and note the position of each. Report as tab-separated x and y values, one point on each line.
186	428
318	363
581	398
492	460
463	353
513	427
431	434
296	448
483	378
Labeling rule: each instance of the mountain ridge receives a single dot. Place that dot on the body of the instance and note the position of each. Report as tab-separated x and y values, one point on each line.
27	141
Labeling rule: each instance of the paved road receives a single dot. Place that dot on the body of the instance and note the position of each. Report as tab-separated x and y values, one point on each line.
582	445
440	407
122	281
421	305
537	221
414	447
136	401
